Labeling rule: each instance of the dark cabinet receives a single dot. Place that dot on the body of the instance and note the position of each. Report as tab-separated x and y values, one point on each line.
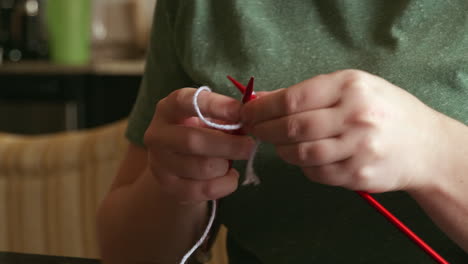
47	101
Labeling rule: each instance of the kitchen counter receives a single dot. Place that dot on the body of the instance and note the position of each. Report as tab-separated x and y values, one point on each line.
112	67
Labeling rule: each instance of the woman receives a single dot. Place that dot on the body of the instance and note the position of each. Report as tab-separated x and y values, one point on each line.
349	118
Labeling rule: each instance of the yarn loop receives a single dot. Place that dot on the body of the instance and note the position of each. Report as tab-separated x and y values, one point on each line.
250	176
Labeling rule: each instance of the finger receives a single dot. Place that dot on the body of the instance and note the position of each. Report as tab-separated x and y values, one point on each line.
199	141
194	122
265	93
304	126
179	105
319	92
316	153
197	122
334	174
193	167
188	190
355	173
343	171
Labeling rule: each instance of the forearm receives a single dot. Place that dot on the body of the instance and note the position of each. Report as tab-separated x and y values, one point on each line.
445	200
138	224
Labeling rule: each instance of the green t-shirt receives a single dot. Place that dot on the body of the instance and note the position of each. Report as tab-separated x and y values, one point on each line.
419	45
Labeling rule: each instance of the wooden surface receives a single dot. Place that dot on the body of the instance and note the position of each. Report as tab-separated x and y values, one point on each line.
50	188
17	258
116	67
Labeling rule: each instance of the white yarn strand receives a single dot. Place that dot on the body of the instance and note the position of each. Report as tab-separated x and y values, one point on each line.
204	235
206	121
250	176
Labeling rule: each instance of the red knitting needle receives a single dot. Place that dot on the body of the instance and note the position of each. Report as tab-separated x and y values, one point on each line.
247	92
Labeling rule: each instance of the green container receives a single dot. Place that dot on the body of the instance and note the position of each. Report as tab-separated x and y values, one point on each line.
69	25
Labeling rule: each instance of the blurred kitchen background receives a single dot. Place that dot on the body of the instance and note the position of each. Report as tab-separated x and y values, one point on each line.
70	71
70	64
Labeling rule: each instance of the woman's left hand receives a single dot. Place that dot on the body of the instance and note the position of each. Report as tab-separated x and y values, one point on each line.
351	129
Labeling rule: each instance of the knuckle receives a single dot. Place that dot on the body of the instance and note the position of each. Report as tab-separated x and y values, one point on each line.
368	112
214	189
355	81
372	146
177	96
353	74
160	105
148	138
192	143
291	101
209	191
180	96
319	153
363	114
301	153
362	176
293	129
151	138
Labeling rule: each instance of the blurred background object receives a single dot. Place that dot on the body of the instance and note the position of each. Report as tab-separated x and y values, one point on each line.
70	75
75	32
69	26
121	27
23	33
142	13
70	71
51	186
70	64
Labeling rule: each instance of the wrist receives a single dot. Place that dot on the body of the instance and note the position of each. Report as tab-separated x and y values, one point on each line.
447	165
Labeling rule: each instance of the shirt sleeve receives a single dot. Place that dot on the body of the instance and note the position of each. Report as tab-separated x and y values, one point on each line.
163	71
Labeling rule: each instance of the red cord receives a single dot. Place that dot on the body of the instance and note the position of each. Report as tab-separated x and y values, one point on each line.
402	227
247	92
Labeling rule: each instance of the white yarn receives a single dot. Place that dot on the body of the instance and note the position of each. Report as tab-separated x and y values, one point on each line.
250	176
204	235
206	121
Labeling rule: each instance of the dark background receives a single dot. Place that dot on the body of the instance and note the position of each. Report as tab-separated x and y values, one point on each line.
34	104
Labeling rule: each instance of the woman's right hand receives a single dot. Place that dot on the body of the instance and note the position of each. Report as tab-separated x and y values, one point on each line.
189	160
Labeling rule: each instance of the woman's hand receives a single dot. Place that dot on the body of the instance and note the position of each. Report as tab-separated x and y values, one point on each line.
350	129
189	160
